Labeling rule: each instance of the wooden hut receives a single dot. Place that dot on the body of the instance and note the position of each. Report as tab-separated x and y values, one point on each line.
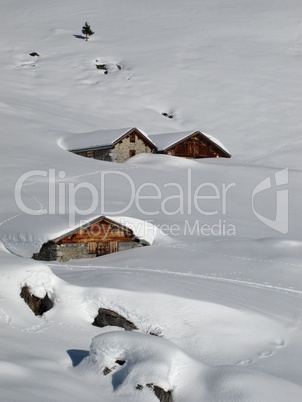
110	145
95	238
190	145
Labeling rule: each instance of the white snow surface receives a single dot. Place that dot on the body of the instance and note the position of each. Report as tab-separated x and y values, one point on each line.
221	285
94	139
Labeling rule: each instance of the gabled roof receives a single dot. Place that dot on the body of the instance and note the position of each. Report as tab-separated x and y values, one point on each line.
166	141
100	139
91	222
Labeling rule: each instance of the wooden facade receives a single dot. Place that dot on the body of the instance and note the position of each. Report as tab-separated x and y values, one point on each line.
193	147
102	236
196	146
99	237
125	143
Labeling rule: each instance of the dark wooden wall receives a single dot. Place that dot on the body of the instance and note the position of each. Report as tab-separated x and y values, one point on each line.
98	232
196	147
99	153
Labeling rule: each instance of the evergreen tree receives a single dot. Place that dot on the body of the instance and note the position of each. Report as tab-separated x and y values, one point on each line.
86	30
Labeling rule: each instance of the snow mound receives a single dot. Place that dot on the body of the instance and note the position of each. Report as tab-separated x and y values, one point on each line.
131	361
146	360
40	282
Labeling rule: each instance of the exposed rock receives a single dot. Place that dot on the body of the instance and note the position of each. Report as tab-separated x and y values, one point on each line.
102	67
107	317
162	395
120	362
36	304
106	371
34	54
170	116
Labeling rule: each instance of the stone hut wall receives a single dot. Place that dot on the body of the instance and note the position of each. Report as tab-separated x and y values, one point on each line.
63	252
71	251
121	151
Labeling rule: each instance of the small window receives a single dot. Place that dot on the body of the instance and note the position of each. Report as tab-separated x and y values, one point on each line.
131	153
132	137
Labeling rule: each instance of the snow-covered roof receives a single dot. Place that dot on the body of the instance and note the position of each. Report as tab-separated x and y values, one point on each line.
167	140
120	222
98	138
24	242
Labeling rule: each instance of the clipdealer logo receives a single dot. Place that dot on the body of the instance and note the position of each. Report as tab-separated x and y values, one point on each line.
280	223
205	199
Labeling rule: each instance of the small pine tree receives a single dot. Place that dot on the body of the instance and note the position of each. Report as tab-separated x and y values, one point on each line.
86	30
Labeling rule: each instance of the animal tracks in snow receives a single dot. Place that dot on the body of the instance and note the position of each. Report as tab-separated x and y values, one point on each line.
237	257
262	355
266	353
35	328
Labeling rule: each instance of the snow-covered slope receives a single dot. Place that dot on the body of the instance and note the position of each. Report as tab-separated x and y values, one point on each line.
221	281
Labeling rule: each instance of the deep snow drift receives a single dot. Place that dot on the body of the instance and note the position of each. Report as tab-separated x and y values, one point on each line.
221	281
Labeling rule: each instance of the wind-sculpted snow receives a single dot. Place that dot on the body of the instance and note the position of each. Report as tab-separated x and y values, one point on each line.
132	361
221	282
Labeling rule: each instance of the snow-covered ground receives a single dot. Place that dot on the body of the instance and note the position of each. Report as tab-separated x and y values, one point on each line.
221	281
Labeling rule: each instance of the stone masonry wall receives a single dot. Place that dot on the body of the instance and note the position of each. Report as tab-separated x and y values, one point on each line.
62	252
66	252
120	153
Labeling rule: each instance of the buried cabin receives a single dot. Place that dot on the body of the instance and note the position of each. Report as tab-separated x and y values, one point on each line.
96	238
191	145
110	145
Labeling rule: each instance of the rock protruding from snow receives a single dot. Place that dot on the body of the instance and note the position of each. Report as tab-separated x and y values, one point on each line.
170	116
102	67
108	67
38	305
150	364
162	395
108	317
108	370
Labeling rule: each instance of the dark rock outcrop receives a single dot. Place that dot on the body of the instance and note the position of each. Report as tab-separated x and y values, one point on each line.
160	393
106	371
102	67
170	116
36	304
108	317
